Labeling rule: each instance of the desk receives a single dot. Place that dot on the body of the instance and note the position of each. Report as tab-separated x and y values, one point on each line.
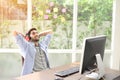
49	74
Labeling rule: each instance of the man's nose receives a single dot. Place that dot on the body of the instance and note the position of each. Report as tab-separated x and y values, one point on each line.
36	34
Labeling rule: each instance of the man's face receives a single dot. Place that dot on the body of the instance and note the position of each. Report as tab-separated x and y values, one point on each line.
34	36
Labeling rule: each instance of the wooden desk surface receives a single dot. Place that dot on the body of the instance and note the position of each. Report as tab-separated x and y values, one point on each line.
49	74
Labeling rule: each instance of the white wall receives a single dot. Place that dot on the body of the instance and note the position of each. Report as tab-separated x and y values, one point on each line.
116	36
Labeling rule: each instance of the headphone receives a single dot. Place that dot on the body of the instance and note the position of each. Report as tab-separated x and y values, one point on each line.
27	37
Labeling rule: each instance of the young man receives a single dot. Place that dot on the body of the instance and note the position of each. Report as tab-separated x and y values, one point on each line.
33	51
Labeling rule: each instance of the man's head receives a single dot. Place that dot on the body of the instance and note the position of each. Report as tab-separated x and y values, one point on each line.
33	35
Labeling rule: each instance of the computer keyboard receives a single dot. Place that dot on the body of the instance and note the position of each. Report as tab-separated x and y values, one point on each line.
67	71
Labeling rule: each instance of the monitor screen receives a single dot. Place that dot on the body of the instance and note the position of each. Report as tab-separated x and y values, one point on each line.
91	47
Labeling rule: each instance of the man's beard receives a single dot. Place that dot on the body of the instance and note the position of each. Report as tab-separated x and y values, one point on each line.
34	40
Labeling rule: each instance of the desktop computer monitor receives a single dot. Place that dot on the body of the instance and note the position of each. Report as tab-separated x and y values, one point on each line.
93	50
91	47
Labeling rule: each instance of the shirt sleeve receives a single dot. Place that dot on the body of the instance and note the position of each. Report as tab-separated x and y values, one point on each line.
22	44
46	40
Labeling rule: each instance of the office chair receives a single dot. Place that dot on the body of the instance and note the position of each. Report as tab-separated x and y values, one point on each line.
22	60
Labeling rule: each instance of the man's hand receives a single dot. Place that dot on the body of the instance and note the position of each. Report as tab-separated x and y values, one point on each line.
15	33
46	32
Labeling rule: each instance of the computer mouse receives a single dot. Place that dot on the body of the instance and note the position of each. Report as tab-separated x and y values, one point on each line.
58	78
92	75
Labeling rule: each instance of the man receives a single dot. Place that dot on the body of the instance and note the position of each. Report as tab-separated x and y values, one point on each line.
33	51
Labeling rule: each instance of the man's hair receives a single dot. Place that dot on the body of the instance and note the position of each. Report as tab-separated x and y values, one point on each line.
29	32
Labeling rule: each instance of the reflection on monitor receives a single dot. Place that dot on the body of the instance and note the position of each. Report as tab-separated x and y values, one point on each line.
91	47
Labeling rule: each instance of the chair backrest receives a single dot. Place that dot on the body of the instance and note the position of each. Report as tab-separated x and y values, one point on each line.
22	60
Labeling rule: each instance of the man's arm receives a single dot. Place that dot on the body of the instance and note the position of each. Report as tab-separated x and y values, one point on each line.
44	33
15	33
47	34
20	41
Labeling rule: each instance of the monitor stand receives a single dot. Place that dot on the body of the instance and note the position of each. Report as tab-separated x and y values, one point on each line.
101	72
100	65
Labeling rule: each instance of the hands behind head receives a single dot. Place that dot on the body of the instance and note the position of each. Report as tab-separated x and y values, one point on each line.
15	33
43	33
